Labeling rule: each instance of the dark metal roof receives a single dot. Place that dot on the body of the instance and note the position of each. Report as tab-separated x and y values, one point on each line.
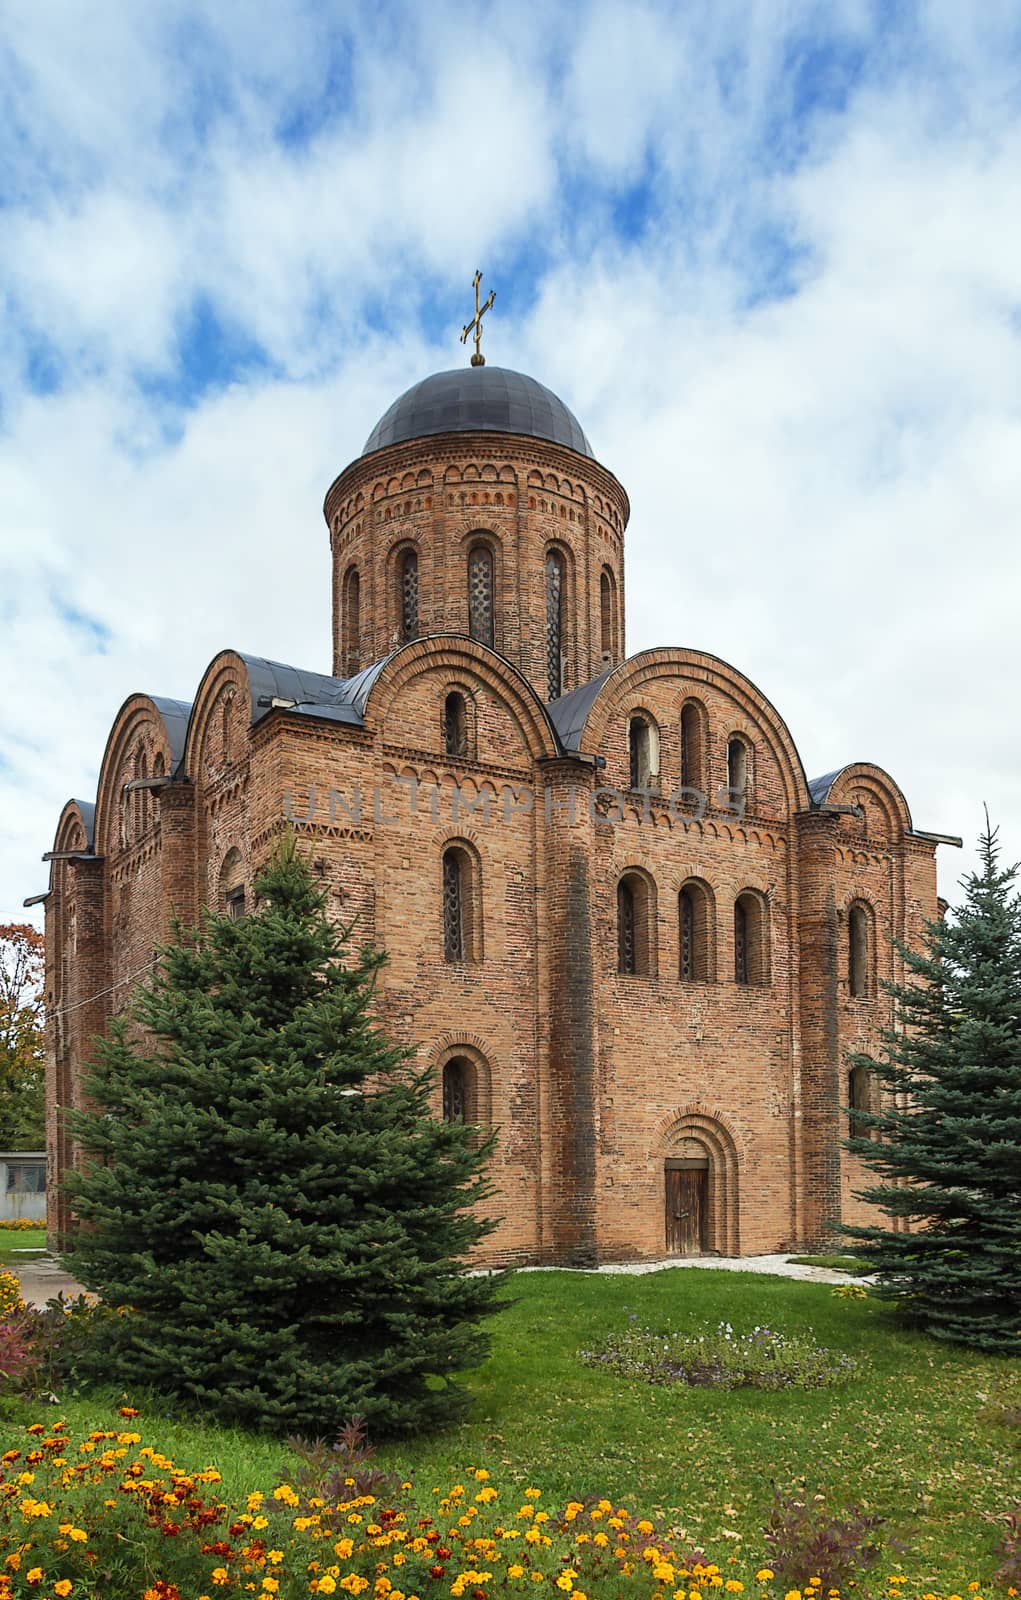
569	714
478	400
175	714
313	693
819	788
88	811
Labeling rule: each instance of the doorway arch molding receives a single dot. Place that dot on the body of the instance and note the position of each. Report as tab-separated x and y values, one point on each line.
695	1130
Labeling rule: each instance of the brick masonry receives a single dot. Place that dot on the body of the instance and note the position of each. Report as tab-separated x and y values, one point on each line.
595	1078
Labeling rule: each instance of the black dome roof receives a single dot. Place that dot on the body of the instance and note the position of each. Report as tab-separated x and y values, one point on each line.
478	399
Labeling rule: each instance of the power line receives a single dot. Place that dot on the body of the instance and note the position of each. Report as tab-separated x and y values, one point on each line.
62	1011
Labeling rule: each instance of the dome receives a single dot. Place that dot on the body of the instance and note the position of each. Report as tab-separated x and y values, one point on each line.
478	400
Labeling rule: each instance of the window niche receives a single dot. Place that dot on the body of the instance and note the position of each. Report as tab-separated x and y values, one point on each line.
643	751
455	726
351	620
607	615
751	939
635	925
696	933
739	771
860	951
693	743
481	608
859	1100
556	594
461	906
407	594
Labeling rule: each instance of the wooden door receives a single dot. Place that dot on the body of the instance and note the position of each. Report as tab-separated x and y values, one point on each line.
687	1194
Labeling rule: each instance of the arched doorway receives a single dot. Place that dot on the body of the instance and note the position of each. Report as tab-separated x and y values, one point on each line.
700	1185
687	1205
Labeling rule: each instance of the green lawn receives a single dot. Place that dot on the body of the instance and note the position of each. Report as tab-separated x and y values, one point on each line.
909	1441
13	1241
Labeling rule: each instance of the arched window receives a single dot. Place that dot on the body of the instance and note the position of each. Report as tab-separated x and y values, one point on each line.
738	770
462	906
859	1098
695	927
142	795
859	951
643	751
607	614
556	583
635	920
408	570
751	952
456	1090
455	725
352	621
692	746
480	594
232	884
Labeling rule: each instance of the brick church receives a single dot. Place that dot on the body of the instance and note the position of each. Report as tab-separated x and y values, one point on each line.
623	926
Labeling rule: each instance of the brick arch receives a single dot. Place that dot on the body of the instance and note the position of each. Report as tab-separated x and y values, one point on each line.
226	670
474	1048
138	723
876	783
627	682
446	654
709	1131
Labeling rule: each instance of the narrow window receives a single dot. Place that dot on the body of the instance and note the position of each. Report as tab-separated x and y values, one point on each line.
555	583
142	795
455	1090
857	1101
352	621
635	925
480	594
858	952
409	594
643	752
696	915
692	774
455	725
453	905
626	953
236	903
737	768
751	939
606	614
740	943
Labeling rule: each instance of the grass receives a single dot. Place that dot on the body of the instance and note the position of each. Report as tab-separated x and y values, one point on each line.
910	1441
833	1263
14	1242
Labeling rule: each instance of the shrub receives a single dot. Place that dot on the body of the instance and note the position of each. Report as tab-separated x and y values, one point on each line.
761	1359
809	1543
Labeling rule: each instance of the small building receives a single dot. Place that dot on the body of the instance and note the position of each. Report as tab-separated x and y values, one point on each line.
22	1185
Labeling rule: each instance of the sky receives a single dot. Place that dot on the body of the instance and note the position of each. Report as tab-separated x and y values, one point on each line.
768	253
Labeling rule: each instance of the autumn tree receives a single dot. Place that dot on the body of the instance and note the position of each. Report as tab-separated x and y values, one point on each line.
22	1044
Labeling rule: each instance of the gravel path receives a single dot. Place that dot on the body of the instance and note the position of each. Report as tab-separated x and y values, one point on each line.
43	1277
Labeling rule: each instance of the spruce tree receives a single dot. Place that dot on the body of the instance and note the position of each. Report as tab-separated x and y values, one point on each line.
948	1150
264	1186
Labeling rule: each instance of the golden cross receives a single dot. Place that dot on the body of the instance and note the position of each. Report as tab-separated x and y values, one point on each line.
478	359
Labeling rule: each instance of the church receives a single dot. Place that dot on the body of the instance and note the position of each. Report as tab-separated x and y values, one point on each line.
623	926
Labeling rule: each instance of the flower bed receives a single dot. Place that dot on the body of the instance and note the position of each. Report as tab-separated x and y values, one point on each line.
110	1518
760	1359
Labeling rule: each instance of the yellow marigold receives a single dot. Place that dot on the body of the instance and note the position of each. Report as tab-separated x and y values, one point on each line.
644	1526
574	1509
764	1574
601	1539
34	1575
220	1577
734	1586
515	1571
481	1475
326	1584
343	1548
271	1585
533	1494
484	1496
565	1583
286	1494
792	1594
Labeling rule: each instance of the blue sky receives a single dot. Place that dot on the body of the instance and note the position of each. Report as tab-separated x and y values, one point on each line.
770	254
